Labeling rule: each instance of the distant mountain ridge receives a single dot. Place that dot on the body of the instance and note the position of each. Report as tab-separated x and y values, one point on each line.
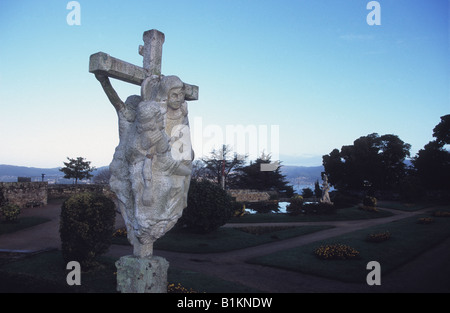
303	175
9	173
23	171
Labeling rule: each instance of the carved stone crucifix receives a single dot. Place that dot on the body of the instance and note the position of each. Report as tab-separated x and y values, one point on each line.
151	167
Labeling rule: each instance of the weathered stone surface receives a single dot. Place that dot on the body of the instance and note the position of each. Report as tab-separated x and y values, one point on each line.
24	195
142	275
151	167
152	51
104	64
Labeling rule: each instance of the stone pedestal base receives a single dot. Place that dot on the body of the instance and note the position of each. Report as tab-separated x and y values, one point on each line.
142	275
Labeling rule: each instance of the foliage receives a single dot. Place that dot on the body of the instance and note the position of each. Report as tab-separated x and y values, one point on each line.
319	208
220	163
263	206
77	169
432	163
425	220
317	189
252	177
86	227
295	205
441	214
178	288
378	237
102	176
342	200
336	252
239	209
209	207
442	130
372	160
307	193
370	201
10	212
369	204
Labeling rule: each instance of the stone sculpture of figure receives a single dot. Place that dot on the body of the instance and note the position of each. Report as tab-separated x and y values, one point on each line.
325	188
149	178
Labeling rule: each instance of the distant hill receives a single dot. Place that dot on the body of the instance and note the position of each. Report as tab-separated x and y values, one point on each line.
23	171
302	176
295	175
9	173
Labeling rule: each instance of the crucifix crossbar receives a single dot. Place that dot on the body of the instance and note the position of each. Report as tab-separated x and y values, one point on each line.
104	64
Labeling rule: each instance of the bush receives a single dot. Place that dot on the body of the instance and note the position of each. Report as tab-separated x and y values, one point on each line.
369	204
307	193
319	208
370	201
336	252
425	220
295	205
341	200
10	212
378	237
209	207
86	227
263	206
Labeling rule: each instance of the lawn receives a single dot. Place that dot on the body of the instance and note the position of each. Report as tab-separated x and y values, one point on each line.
21	223
408	240
226	239
350	213
45	273
404	206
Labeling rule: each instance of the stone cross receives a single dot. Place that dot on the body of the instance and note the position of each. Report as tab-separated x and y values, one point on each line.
104	64
152	165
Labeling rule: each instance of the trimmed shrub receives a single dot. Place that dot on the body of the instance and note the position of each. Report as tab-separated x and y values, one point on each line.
370	201
336	252
319	208
425	220
86	227
378	237
295	205
10	212
263	206
209	207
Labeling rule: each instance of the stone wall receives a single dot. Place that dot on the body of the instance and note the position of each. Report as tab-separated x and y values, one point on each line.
247	195
66	191
33	194
24	194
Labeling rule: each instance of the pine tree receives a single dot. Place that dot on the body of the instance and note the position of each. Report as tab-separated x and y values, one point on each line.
77	169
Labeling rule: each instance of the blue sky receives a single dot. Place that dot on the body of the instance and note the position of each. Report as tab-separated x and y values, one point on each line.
314	70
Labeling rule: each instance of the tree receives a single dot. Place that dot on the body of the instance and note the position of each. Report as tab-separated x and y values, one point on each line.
221	163
372	160
432	163
253	178
307	193
77	169
102	176
442	131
